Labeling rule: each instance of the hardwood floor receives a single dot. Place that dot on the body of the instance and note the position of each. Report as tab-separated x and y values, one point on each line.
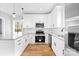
38	50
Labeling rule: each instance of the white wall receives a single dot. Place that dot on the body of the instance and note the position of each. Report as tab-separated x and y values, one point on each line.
7	22
7	47
72	10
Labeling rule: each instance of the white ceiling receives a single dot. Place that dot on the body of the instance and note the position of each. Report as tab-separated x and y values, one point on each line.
28	7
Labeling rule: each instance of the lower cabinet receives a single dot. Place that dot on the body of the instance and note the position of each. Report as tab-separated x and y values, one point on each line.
58	46
20	45
13	47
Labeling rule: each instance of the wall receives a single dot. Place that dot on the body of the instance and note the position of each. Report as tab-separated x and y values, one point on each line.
72	10
7	23
7	47
74	29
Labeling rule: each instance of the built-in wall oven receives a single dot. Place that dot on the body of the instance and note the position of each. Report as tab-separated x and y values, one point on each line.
40	39
39	35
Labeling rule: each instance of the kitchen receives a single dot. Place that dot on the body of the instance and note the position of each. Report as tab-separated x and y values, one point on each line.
24	24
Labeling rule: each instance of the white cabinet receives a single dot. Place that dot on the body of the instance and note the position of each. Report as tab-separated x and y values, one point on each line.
26	40
60	16
20	45
30	37
58	19
58	46
54	44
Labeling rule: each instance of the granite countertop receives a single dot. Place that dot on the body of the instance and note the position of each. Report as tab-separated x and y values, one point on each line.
15	36
59	36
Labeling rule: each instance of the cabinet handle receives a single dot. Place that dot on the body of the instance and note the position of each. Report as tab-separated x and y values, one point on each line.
19	40
19	44
63	51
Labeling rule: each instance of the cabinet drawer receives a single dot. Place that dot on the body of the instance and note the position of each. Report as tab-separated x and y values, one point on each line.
19	39
19	42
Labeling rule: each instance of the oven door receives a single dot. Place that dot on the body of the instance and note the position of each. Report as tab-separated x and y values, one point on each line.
40	39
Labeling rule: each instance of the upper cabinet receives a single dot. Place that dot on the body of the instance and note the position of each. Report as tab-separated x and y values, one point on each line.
50	20
60	16
57	16
30	20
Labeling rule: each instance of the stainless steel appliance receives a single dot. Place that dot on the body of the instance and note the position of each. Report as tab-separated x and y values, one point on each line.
40	36
39	25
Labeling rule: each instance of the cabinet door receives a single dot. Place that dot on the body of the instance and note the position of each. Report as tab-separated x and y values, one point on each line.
60	47
26	40
19	45
54	44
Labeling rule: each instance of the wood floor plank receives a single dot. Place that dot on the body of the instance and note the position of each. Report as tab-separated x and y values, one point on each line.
38	50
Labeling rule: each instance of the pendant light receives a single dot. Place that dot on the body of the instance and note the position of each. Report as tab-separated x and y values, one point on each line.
22	12
14	14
